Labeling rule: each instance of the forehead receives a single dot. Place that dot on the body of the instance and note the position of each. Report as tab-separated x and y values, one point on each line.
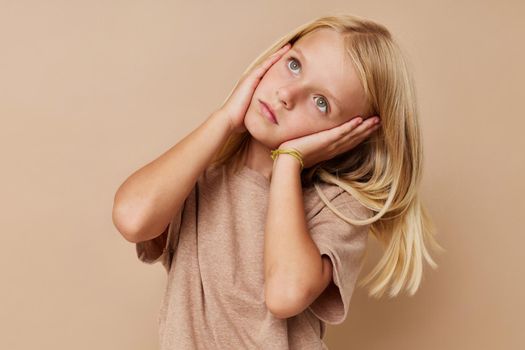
328	67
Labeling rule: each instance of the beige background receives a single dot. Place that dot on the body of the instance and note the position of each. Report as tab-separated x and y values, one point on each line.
92	90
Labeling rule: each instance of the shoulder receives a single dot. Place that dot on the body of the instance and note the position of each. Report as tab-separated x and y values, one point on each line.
213	176
338	197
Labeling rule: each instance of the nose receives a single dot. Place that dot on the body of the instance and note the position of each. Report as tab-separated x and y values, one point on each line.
287	95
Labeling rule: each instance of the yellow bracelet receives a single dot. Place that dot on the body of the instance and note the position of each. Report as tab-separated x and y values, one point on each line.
293	152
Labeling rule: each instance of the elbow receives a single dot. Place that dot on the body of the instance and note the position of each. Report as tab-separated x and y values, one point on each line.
283	303
126	227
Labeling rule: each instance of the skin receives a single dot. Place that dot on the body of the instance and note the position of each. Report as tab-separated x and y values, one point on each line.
299	92
299	88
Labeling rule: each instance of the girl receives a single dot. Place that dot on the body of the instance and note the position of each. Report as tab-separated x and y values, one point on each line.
261	215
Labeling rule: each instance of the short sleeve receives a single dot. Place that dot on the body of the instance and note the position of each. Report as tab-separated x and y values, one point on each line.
162	247
345	244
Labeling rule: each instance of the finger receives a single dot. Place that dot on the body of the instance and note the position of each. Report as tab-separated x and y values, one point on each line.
245	87
346	128
355	130
339	135
362	132
368	125
373	128
271	60
253	79
263	67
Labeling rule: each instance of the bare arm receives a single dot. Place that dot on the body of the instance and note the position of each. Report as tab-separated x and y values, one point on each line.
146	201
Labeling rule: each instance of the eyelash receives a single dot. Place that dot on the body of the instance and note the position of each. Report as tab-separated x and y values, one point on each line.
324	98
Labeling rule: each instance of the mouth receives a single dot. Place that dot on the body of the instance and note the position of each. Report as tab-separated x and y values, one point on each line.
268	112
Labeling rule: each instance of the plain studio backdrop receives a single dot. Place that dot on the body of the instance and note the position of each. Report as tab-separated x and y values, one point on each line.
92	90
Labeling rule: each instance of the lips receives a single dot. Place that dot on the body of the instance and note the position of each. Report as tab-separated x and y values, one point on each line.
267	108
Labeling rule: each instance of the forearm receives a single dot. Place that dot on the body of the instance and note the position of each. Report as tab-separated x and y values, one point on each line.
144	204
291	258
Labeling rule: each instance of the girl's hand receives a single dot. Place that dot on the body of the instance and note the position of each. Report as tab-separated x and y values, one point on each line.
327	144
234	109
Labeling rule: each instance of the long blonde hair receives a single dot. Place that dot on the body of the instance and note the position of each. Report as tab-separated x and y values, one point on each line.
383	172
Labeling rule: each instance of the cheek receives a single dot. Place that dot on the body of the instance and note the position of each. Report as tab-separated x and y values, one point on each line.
274	75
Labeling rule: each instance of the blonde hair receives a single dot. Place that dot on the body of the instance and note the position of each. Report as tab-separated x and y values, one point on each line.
383	172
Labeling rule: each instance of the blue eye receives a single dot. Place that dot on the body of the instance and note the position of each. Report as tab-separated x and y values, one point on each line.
293	59
325	104
297	64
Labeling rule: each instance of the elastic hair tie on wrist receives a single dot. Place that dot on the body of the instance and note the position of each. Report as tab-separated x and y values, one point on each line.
291	151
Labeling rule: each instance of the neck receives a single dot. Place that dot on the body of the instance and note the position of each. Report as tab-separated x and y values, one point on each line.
258	158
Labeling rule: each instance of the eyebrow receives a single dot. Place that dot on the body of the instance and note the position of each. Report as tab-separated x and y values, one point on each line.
337	103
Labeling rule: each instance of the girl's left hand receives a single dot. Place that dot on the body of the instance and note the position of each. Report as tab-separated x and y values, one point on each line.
329	143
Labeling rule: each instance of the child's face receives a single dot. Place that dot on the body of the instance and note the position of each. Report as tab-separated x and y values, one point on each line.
303	90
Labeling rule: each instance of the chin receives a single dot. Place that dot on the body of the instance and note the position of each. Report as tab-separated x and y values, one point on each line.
259	131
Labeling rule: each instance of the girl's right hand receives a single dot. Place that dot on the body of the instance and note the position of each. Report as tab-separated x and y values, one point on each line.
234	109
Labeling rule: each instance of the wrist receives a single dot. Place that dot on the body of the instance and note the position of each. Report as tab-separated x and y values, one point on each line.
221	119
288	161
289	152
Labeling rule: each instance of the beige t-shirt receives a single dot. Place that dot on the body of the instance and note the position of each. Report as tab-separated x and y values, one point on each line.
212	251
